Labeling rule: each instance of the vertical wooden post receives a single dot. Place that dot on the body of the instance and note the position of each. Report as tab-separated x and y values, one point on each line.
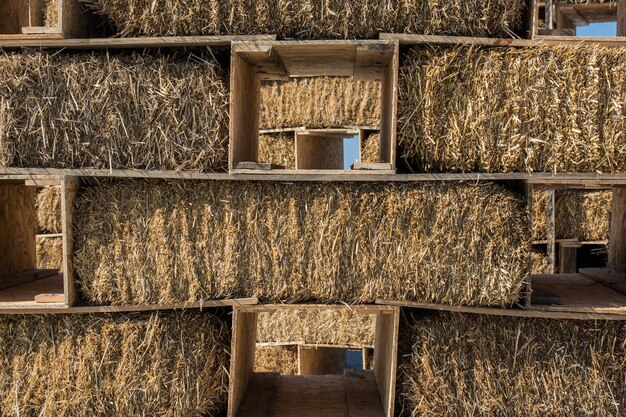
69	189
621	18
567	258
551	231
617	231
243	346
385	357
549	18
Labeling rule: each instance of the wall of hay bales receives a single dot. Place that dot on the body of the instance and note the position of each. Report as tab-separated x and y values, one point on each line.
324	326
579	214
138	241
539	109
512	367
166	364
113	111
320	102
312	18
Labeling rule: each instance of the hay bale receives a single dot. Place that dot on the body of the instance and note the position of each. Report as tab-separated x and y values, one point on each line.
513	367
579	214
540	264
313	18
51	13
323	326
282	359
370	148
49	253
118	111
278	149
165	364
320	102
140	241
539	109
49	214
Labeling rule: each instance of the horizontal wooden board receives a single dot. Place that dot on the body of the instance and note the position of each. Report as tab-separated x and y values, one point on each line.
407	39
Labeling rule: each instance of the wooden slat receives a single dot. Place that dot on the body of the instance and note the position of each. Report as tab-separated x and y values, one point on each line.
311	396
389	104
243	345
266	63
50	298
509	312
385	358
617	231
12	280
567	258
69	189
551	230
407	39
621	18
372	166
18	42
607	277
313	345
363	398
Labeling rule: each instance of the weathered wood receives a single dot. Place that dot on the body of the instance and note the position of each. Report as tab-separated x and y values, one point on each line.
389	104
313	360
621	18
266	63
549	9
606	277
18	226
243	345
69	189
385	357
561	41
17	298
12	280
260	396
50	298
617	231
551	230
372	166
319	151
567	258
264	166
363	398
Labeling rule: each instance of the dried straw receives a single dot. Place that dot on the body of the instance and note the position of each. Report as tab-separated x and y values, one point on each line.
313	18
140	241
160	364
544	109
282	359
320	102
540	264
278	149
470	365
117	111
323	326
50	253
579	214
370	148
51	13
49	209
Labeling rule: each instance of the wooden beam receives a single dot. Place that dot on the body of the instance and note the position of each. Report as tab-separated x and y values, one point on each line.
617	231
549	8
560	41
243	346
385	358
551	230
69	190
267	64
621	18
568	16
371	61
50	298
567	258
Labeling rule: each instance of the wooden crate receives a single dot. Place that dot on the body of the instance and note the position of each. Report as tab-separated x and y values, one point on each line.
26	19
22	285
252	62
367	393
565	18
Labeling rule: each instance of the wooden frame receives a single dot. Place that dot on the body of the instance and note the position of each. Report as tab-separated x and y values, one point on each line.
252	62
257	394
24	19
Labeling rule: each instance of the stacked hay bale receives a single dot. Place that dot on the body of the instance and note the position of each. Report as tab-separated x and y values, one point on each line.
312	18
512	366
278	149
540	263
166	364
159	242
49	248
579	214
370	148
540	109
280	358
320	102
159	112
51	13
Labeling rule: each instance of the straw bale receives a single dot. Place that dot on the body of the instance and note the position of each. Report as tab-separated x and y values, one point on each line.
370	148
313	18
579	214
141	241
324	326
49	209
282	359
123	110
49	253
536	109
278	149
320	102
158	364
503	366
540	264
51	13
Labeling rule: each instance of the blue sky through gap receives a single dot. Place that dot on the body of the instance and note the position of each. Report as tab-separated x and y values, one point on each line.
598	29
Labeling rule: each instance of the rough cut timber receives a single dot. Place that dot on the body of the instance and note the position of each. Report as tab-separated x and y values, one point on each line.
542	367
140	241
536	109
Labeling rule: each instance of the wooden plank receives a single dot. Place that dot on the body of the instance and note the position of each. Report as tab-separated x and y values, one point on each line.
607	277
567	16
385	358
42	183
389	104
313	345
18	226
55	42
12	280
245	102
532	19
567	258
574	292
69	189
311	396
362	394
621	18
243	345
551	230
371	61
266	63
529	192
50	298
319	152
617	231
260	396
549	11
372	166
18	297
408	40
507	312
20	307
357	308
321	360
264	166
38	30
